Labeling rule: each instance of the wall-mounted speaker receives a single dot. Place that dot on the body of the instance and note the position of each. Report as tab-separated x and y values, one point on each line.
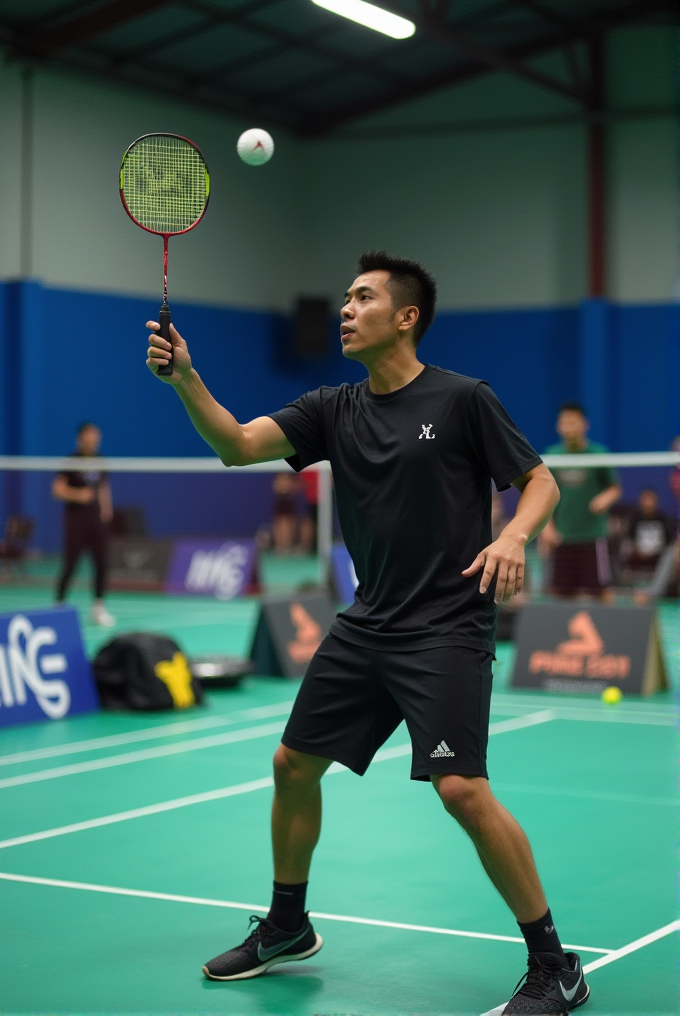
311	327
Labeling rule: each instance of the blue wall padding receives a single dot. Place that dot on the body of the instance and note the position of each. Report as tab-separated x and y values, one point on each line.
69	356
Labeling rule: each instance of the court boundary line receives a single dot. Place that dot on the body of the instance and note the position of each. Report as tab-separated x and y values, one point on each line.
145	734
144	755
631	947
213	741
384	755
316	914
654	717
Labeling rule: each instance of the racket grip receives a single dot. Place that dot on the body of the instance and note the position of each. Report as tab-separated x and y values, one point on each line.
164	319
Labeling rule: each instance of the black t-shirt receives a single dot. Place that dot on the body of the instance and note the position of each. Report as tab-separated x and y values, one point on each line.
88	478
412	473
651	534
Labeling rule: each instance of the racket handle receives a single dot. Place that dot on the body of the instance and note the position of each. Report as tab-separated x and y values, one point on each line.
165	370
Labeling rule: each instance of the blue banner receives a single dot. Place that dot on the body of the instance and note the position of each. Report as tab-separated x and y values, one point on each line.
44	673
220	568
344	575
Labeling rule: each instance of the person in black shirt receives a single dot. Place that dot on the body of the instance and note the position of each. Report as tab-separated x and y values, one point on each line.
87	513
413	450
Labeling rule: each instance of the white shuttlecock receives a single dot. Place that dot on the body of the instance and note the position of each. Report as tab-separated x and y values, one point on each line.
255	146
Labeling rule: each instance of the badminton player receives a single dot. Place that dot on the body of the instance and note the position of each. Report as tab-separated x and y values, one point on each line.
413	450
87	512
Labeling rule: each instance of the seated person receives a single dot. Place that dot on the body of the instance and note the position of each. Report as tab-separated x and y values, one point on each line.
651	531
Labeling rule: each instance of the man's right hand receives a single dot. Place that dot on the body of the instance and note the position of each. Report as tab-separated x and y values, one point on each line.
157	354
83	495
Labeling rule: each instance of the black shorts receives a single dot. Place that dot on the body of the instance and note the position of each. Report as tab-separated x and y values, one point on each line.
352	699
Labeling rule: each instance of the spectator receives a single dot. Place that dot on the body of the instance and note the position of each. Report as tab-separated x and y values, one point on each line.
284	521
310	488
651	531
577	533
87	513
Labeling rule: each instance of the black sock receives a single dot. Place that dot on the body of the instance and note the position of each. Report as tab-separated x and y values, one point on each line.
288	906
541	936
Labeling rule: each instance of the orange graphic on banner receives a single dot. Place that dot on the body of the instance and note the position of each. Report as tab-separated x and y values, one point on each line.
308	635
582	655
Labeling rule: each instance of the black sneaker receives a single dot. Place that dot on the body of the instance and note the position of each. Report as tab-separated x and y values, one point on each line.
550	988
265	946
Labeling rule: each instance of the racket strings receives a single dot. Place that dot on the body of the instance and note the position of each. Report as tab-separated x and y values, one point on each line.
165	184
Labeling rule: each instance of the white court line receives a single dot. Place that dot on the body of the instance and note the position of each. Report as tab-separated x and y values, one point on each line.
214	740
144	754
146	734
317	915
529	720
639	943
214	795
605	714
149	809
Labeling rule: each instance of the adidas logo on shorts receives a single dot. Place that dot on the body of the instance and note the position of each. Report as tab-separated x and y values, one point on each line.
442	751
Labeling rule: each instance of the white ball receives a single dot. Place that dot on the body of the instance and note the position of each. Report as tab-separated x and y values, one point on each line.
255	146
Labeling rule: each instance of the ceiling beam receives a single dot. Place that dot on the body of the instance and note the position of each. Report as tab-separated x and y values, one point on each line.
439	30
316	125
242	105
288	41
74	31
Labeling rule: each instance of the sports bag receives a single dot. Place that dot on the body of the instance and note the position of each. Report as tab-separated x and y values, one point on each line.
144	671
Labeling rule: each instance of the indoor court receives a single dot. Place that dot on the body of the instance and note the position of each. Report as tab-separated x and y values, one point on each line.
526	153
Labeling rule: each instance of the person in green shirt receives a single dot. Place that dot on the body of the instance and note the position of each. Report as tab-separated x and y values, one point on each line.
577	533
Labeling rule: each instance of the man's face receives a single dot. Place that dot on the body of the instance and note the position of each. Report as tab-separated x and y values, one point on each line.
649	502
369	321
89	440
572	427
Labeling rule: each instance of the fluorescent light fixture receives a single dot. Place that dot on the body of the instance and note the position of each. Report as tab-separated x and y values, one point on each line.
370	16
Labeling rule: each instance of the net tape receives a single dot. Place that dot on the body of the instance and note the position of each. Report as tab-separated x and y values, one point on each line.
209	464
164	181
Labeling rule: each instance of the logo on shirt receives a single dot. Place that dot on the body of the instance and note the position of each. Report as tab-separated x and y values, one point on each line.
427	427
442	751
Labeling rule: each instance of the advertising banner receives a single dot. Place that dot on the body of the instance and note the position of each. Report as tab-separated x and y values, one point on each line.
44	673
585	648
344	574
289	631
138	563
220	568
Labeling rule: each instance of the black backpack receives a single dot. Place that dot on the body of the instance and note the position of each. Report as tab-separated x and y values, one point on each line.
141	670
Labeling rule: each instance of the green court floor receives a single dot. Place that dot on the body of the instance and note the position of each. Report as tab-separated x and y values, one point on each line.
135	847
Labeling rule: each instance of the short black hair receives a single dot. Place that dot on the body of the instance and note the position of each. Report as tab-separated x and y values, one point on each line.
409	283
83	426
573	407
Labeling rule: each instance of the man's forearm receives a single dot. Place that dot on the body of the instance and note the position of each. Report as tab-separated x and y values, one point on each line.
213	422
537	502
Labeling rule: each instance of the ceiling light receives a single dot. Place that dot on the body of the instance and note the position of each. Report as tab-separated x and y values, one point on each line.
370	16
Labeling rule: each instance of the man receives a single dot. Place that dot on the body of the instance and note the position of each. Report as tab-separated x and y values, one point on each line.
87	513
413	450
577	534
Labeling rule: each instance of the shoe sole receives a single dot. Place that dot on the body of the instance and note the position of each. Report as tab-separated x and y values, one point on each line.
257	971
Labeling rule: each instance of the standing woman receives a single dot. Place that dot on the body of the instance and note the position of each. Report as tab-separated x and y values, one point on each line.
87	513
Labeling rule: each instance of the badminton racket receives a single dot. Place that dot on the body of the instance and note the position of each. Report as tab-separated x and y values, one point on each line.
164	187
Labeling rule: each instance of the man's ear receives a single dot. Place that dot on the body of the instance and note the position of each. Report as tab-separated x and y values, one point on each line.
409	318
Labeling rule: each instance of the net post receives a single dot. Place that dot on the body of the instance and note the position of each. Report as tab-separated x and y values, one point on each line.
324	529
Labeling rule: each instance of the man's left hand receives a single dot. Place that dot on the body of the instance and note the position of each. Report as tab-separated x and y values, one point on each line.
504	559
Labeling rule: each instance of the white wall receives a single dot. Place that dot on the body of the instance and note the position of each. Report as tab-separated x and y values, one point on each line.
498	214
644	170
